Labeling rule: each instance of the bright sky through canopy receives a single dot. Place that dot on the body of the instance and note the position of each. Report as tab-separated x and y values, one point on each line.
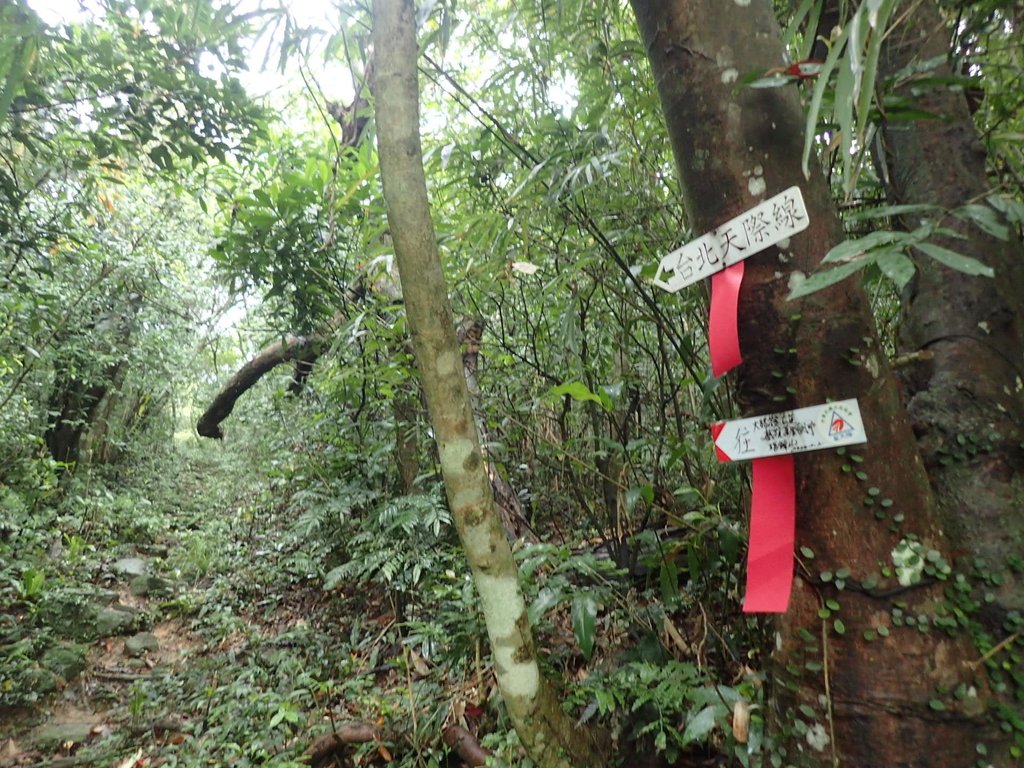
333	76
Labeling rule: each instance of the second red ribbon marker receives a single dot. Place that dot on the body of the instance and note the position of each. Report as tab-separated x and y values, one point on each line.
770	442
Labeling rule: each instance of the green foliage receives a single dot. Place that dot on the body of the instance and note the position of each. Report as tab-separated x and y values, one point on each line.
294	225
16	60
97	251
892	251
853	56
137	76
395	544
670	703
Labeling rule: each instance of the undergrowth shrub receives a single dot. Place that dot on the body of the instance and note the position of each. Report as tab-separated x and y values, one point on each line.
395	543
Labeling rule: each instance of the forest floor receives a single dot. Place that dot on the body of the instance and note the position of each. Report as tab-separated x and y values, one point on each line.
178	614
172	624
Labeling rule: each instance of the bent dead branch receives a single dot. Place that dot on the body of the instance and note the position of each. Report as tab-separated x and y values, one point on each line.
281	351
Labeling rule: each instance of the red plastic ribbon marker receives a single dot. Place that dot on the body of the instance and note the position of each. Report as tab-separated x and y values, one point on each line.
723	324
772	536
772	531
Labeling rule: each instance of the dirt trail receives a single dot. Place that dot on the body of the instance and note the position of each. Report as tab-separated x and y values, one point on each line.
92	705
143	586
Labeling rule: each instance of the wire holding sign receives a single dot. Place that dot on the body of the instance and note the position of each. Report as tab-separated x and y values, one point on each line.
763	226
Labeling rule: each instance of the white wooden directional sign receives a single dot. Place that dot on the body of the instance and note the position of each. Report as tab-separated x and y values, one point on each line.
804	429
764	225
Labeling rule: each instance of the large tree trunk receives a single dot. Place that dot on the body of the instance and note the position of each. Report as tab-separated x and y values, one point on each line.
75	403
78	391
864	699
966	400
547	733
96	445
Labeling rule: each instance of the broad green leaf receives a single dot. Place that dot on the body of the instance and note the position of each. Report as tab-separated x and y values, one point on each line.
854	249
546	599
720	695
534	556
896	266
669	581
700	725
984	218
162	157
693	562
1012	209
820	280
634	494
584	616
957	261
577	390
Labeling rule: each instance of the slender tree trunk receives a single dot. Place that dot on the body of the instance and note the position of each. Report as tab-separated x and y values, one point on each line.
405	408
547	733
966	399
866	691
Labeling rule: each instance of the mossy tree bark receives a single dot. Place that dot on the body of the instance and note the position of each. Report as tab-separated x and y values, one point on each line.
966	398
547	733
840	693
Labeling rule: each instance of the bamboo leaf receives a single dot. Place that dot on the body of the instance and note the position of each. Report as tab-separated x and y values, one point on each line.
878	17
812	25
852	249
984	218
957	261
1013	210
814	108
771	81
820	280
794	23
893	210
846	86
